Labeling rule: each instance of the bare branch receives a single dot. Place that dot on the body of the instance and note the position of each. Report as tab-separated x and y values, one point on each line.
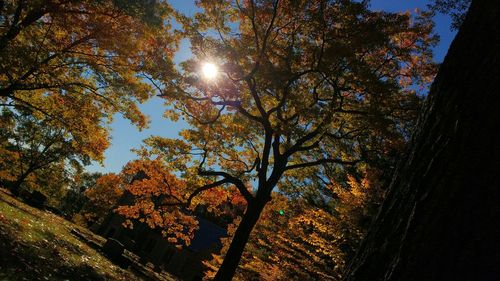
8	91
320	162
204	188
231	179
187	203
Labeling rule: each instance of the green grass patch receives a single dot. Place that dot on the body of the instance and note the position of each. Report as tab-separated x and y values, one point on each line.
38	245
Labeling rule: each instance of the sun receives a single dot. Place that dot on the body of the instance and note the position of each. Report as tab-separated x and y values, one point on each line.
209	71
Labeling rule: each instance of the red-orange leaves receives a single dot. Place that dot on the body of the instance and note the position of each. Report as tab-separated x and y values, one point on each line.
159	200
164	200
156	180
103	196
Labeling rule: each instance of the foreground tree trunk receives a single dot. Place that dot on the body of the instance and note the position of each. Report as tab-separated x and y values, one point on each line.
240	239
441	218
15	187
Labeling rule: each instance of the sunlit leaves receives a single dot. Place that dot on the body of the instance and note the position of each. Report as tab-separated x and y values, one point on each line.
103	196
307	93
338	72
297	239
165	201
76	64
39	155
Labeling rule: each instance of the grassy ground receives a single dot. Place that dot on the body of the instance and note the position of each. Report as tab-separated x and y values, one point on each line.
38	245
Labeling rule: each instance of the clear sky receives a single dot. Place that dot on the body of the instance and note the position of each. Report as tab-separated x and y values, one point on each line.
126	136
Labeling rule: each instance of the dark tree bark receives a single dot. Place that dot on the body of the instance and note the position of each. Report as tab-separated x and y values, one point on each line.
240	239
441	218
16	185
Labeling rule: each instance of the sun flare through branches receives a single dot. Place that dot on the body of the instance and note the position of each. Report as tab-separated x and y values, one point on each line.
209	71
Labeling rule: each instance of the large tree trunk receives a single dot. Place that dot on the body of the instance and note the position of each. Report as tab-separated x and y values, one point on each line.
441	219
240	239
15	187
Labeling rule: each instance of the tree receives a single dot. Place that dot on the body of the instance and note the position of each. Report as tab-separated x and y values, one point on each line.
74	199
32	146
102	197
455	8
440	220
303	87
158	193
77	63
9	156
53	181
299	240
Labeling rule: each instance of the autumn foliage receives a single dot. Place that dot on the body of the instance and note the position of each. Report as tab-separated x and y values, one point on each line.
311	104
306	90
102	197
165	201
70	66
297	240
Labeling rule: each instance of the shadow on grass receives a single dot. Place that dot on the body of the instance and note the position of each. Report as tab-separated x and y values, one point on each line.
61	243
40	260
18	206
42	257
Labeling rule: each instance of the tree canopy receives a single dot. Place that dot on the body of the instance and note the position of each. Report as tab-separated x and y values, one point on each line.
77	63
296	113
455	8
31	145
67	67
303	89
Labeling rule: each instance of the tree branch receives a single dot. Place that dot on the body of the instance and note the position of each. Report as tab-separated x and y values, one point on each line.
230	179
320	162
204	188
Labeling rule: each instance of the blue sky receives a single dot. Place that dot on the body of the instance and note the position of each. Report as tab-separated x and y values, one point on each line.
126	136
